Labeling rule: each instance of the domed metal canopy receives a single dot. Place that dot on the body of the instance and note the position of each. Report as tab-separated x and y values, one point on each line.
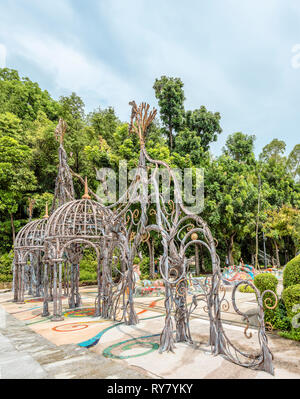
32	235
82	218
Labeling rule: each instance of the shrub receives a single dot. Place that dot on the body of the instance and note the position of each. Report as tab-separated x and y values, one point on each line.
291	273
291	298
281	320
246	288
144	267
87	276
295	335
263	282
88	267
6	267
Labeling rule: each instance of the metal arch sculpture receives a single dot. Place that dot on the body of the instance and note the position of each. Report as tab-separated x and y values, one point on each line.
72	227
15	273
29	242
171	221
108	299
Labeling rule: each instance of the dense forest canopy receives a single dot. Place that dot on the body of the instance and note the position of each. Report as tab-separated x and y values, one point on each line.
244	196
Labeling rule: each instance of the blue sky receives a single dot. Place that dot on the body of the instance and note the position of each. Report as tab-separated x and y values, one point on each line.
241	58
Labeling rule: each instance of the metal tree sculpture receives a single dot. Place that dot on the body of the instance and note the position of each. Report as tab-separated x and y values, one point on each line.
30	239
134	234
64	189
175	224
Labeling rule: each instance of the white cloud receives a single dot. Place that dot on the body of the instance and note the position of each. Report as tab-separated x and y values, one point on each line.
169	42
70	69
3	53
234	57
61	58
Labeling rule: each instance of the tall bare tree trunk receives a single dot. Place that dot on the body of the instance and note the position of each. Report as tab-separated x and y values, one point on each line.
277	254
12	227
171	137
230	249
257	222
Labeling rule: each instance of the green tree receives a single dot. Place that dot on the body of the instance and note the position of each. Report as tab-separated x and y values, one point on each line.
40	201
104	123
170	95
10	125
206	125
188	142
293	162
16	178
275	149
24	98
72	111
230	201
72	107
240	147
280	187
40	138
281	223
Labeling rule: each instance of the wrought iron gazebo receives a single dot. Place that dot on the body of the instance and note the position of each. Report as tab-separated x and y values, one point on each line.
73	227
29	247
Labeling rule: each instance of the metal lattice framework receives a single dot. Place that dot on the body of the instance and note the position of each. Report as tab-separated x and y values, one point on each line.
31	236
29	246
71	228
87	223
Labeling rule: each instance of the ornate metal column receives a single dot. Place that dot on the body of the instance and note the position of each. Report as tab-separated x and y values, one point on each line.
46	291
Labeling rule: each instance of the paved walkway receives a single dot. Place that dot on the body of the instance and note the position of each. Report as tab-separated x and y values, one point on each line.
25	354
35	347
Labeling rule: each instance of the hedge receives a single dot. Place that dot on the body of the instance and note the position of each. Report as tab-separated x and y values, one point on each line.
265	281
291	297
6	267
88	267
291	273
246	288
87	276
